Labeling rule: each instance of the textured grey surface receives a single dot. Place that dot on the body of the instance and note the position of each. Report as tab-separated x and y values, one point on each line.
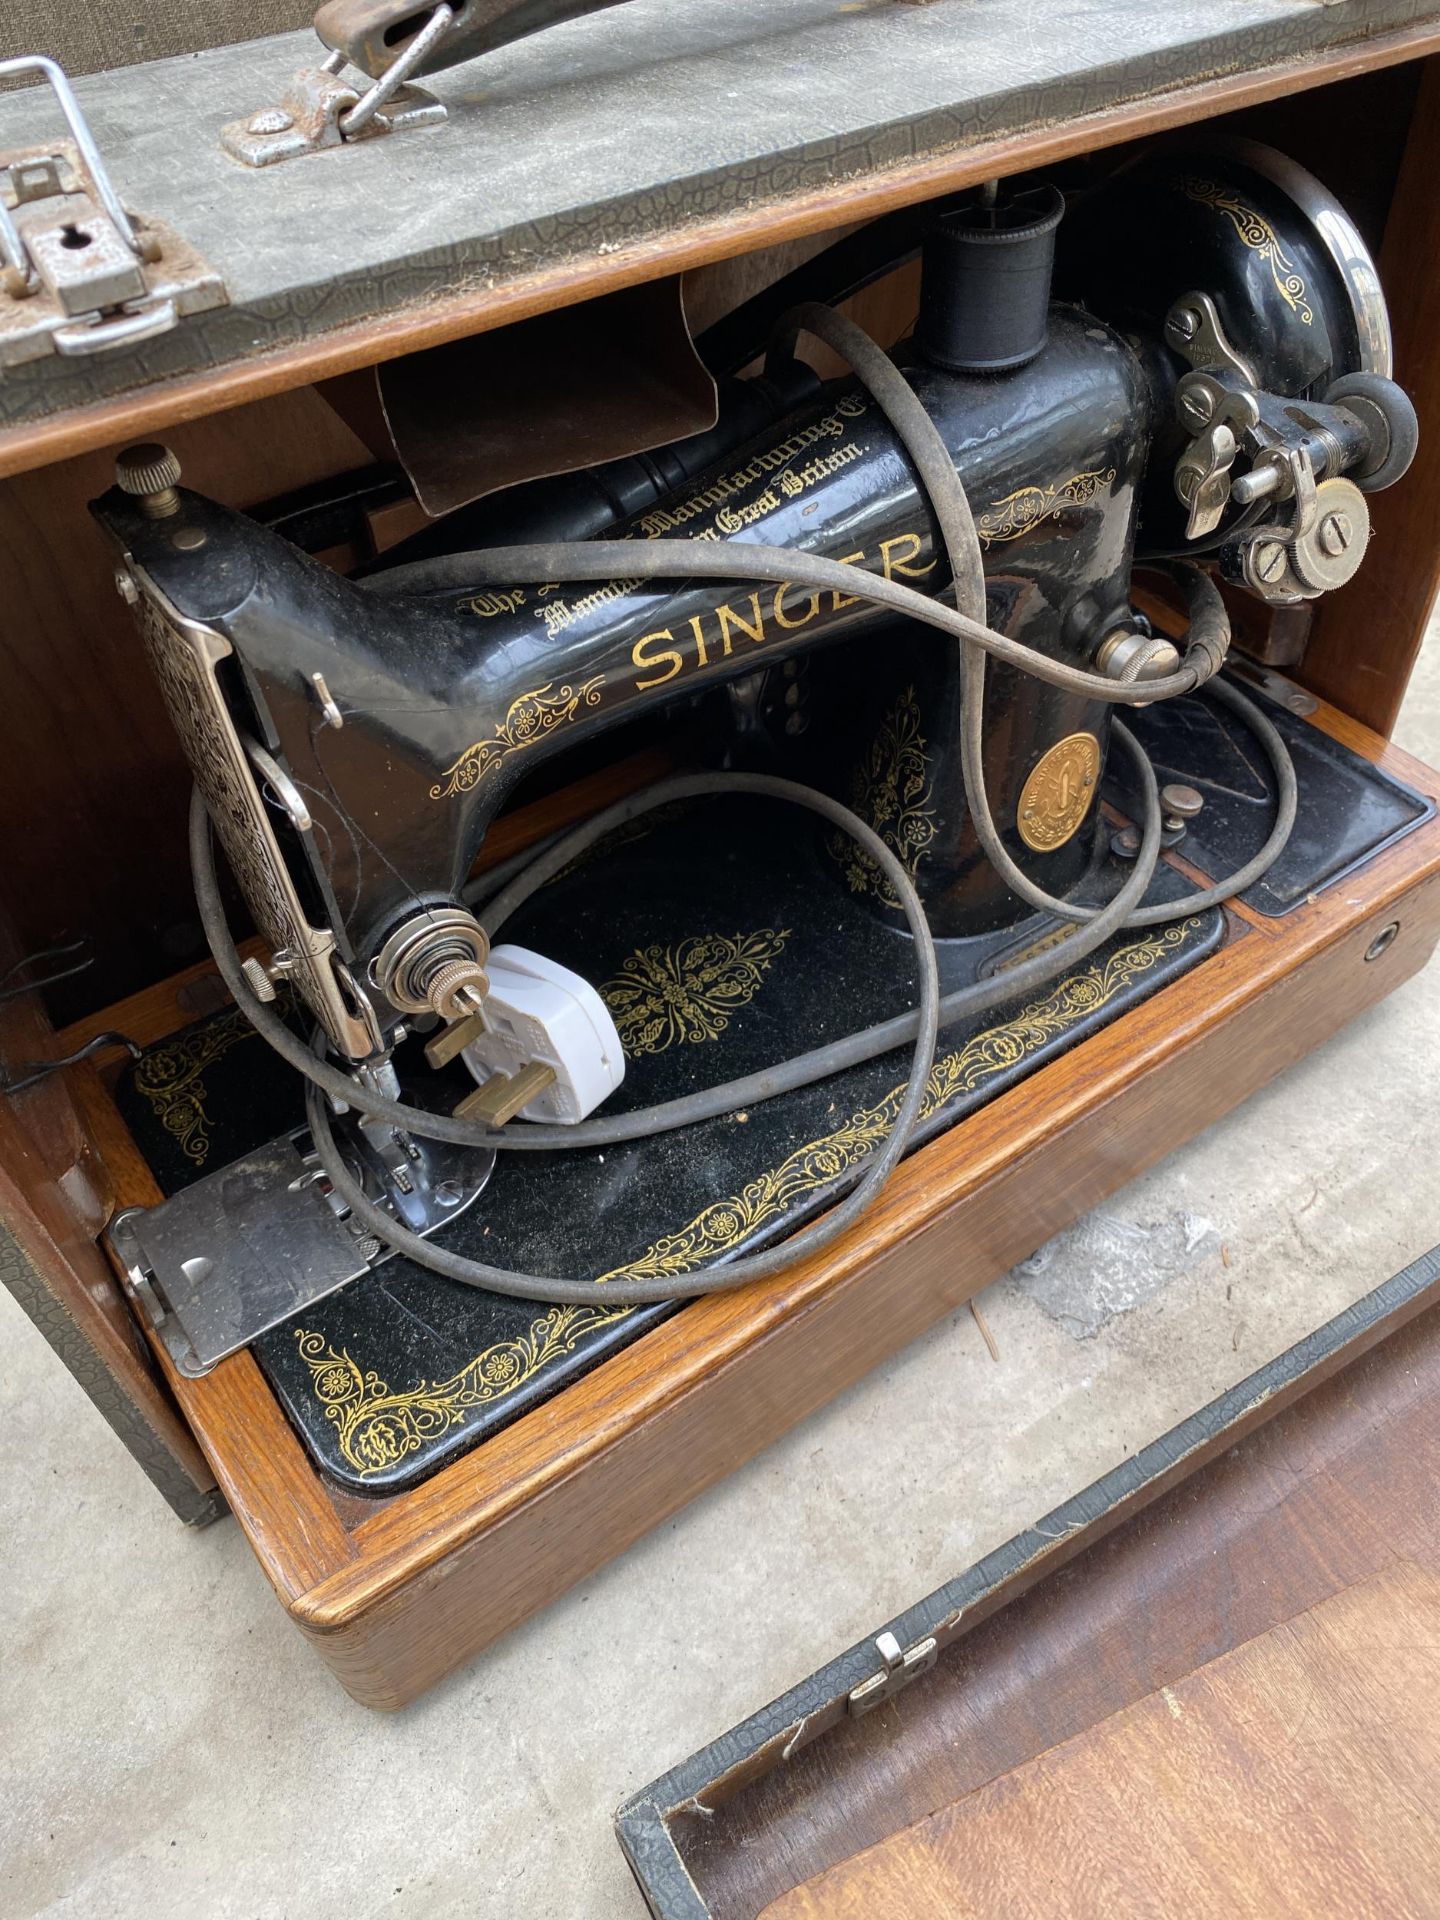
173	1749
603	133
87	36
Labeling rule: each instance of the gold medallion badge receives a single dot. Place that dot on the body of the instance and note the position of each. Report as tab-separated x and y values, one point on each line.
1058	793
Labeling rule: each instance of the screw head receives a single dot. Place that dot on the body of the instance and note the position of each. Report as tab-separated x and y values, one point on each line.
456	988
1270	561
1186	323
1195	409
150	473
1336	533
1126	843
146	468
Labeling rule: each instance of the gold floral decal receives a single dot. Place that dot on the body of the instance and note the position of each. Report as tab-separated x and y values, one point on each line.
725	1223
1007	519
377	1428
889	790
683	995
172	1080
1257	234
528	719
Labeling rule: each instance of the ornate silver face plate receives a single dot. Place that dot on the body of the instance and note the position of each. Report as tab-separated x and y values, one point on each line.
183	656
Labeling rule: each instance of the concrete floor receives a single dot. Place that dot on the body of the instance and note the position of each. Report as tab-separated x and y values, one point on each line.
172	1748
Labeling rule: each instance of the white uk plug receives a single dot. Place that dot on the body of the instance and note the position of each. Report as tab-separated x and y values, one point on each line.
538	1011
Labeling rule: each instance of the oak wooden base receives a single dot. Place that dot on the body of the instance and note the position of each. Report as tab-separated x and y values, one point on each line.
396	1593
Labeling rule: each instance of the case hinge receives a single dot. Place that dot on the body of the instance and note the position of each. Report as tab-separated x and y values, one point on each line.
901	1667
79	274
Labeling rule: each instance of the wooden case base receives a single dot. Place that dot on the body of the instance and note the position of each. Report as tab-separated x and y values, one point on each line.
395	1593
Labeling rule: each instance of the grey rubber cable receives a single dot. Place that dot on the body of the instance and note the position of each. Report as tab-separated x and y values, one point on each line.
877	1168
1207	640
487	884
961	541
605	560
1014	876
615	1129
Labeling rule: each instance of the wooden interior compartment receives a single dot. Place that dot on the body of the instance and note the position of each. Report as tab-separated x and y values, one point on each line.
92	787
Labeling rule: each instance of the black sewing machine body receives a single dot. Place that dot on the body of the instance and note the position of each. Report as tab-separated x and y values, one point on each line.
450	700
355	744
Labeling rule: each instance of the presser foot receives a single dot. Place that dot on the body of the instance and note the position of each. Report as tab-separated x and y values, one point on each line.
236	1253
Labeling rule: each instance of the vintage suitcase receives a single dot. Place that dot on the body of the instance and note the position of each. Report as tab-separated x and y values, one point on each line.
410	1497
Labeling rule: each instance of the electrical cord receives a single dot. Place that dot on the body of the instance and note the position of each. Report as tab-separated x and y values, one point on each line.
645	1122
948	502
1207	643
811	1239
485	885
876	1169
1208	636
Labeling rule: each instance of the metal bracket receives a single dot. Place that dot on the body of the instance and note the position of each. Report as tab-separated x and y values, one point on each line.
1317	550
1193	329
899	1670
236	1253
78	273
319	109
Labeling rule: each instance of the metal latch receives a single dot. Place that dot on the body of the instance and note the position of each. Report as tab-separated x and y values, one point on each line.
899	1670
78	273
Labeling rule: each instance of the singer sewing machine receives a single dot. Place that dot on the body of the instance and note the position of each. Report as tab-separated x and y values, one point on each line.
1165	399
354	744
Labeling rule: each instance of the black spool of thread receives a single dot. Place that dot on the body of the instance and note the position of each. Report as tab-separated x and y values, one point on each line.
985	282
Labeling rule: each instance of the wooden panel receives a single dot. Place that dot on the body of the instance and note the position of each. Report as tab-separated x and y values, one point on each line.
93	785
1335	1488
56	1194
665	1420
1293	1779
73	1300
1390	601
396	1601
